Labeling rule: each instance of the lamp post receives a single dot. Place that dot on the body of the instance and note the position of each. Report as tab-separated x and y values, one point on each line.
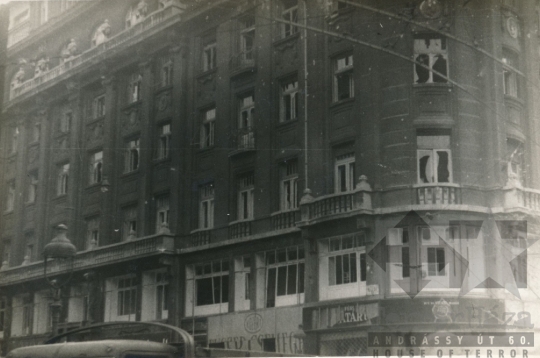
60	248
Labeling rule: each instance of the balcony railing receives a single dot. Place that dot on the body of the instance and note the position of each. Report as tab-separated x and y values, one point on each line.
87	56
285	219
201	237
239	229
519	197
246	139
438	194
146	246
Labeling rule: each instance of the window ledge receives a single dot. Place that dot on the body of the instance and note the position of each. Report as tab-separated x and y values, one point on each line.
342	102
432	84
93	120
7	212
289	123
205	149
93	186
275	213
132	105
158	161
161	89
60	196
207	73
201	230
30	203
131	173
282	40
514	99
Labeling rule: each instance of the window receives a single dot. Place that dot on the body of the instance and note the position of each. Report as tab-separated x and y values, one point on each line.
135	86
31	195
14	140
19	18
35	132
247	111
284	275
99	107
510	78
209	56
155	293
164	141
132	156
431	52
95	168
434	157
162	213
129	229
343	78
346	265
289	101
344	173
165	72
514	157
6	252
10	202
63	179
42	315
246	187
22	315
436	261
206	206
127	296
78	304
43	11
92	233
247	38
66	122
212	283
66	4
207	128
289	185
29	254
290	13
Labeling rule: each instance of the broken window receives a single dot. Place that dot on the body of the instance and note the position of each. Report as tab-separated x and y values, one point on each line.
431	57
343	78
434	158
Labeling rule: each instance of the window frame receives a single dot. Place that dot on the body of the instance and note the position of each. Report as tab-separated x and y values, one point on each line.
289	14
33	181
247	38
431	59
11	196
120	292
426	150
348	161
99	106
66	122
166	71
206	206
289	198
95	168
14	140
129	222
289	103
202	274
134	88
132	156
62	184
162	212
246	197
510	78
208	128
277	295
345	72
209	53
164	141
92	232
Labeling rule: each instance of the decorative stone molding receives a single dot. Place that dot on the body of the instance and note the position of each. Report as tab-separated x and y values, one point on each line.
131	120
163	101
94	132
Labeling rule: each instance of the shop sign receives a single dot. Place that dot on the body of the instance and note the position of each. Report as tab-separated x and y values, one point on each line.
345	315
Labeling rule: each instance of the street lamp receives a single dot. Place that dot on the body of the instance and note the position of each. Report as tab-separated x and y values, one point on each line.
61	249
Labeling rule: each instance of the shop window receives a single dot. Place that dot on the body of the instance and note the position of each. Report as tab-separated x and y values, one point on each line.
129	227
510	77
290	14
164	141
78	304
98	107
33	181
11	195
242	283
246	189
121	298
209	55
343	77
206	206
95	169
62	179
131	159
342	266
289	100
92	233
284	276
134	88
212	283
434	157
162	213
289	185
207	128
42	315
344	173
269	345
431	52
155	293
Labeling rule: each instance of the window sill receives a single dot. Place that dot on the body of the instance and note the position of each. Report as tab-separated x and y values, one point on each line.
129	174
240	221
207	73
201	230
342	102
60	196
424	185
158	161
7	212
432	84
93	186
514	99
132	105
95	119
161	88
30	203
205	149
275	213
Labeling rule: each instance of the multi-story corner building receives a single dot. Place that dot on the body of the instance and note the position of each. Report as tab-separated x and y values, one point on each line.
273	175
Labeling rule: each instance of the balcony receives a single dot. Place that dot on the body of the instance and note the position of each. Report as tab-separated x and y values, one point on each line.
285	219
239	229
245	141
241	62
154	21
100	256
517	197
442	193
